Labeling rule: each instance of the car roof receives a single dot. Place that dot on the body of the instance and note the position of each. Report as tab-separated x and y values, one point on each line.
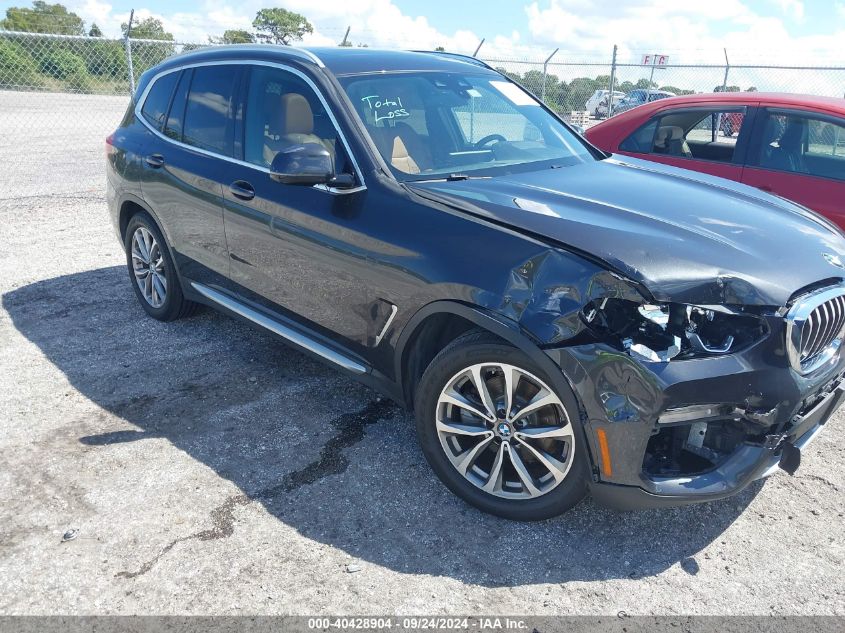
353	61
764	98
338	60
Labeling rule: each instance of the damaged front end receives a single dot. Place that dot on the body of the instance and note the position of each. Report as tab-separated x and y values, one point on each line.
686	401
661	332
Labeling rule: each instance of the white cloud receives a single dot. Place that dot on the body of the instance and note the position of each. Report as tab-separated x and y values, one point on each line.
792	8
94	11
691	32
584	30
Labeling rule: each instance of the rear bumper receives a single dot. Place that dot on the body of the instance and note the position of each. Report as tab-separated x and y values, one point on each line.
748	464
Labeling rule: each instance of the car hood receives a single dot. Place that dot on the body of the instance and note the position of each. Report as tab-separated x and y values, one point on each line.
686	236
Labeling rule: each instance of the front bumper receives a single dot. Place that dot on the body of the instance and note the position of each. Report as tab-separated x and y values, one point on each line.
772	411
747	465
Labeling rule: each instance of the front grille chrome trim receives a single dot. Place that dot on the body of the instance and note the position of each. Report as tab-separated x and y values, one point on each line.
814	328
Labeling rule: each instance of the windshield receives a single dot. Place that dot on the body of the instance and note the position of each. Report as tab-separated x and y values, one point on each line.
434	125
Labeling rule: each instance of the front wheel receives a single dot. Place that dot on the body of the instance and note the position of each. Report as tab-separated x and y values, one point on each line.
497	434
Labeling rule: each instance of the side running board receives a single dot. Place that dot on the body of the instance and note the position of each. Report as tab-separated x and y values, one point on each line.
289	334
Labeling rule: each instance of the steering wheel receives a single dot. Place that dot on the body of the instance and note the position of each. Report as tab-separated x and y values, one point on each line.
490	138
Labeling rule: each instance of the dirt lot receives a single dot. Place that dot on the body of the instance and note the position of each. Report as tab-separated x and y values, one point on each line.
210	469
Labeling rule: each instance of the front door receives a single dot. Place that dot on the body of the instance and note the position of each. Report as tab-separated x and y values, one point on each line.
300	250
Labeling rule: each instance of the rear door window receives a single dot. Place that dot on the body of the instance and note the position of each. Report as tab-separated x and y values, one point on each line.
209	113
157	101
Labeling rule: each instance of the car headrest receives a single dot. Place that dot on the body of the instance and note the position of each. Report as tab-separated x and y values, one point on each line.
792	136
668	133
296	114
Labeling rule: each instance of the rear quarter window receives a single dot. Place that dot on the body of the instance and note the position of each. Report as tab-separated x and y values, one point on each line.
157	101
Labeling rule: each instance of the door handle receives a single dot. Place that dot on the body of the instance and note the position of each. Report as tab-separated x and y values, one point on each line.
242	189
154	160
764	188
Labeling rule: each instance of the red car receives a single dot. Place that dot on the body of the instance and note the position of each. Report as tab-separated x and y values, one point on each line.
790	145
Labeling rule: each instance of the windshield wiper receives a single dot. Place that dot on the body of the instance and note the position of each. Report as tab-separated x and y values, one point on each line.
450	178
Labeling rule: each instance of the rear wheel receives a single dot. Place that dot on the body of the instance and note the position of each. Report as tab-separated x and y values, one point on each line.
497	434
152	271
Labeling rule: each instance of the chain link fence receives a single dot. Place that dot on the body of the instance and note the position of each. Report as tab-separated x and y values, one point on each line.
84	82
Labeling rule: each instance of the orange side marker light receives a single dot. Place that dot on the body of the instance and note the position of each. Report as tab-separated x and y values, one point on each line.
606	466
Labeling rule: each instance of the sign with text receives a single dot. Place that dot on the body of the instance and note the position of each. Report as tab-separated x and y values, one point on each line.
655	60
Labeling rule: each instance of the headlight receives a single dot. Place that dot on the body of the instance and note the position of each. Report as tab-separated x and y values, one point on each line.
660	332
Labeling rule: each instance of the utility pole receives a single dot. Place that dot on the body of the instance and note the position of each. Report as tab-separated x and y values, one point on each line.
128	47
545	66
612	84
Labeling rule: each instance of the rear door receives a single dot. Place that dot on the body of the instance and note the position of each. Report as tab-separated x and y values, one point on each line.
184	167
800	155
711	139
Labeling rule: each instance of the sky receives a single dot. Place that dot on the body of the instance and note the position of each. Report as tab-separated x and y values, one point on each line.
795	32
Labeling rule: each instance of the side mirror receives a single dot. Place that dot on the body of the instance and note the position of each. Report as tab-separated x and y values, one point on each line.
303	164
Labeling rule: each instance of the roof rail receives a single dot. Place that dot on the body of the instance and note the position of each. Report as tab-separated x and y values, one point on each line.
292	51
467	58
309	55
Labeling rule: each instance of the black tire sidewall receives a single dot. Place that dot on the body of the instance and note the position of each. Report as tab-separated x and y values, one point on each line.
172	305
452	360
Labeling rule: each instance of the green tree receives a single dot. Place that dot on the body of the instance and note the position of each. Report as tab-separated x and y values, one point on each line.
17	68
43	18
440	49
645	84
61	64
507	73
147	54
677	91
234	36
95	31
106	60
280	26
147	29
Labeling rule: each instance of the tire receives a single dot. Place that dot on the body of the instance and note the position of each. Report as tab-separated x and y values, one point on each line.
525	490
170	304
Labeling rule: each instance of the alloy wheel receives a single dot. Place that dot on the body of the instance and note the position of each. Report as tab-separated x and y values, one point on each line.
148	267
505	431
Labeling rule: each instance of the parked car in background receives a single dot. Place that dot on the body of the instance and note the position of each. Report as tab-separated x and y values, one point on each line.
603	109
551	314
638	97
598	101
790	145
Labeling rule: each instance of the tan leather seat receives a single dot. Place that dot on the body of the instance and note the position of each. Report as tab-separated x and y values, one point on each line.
404	148
670	140
295	125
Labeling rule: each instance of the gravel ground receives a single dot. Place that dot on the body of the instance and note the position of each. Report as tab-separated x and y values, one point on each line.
209	469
